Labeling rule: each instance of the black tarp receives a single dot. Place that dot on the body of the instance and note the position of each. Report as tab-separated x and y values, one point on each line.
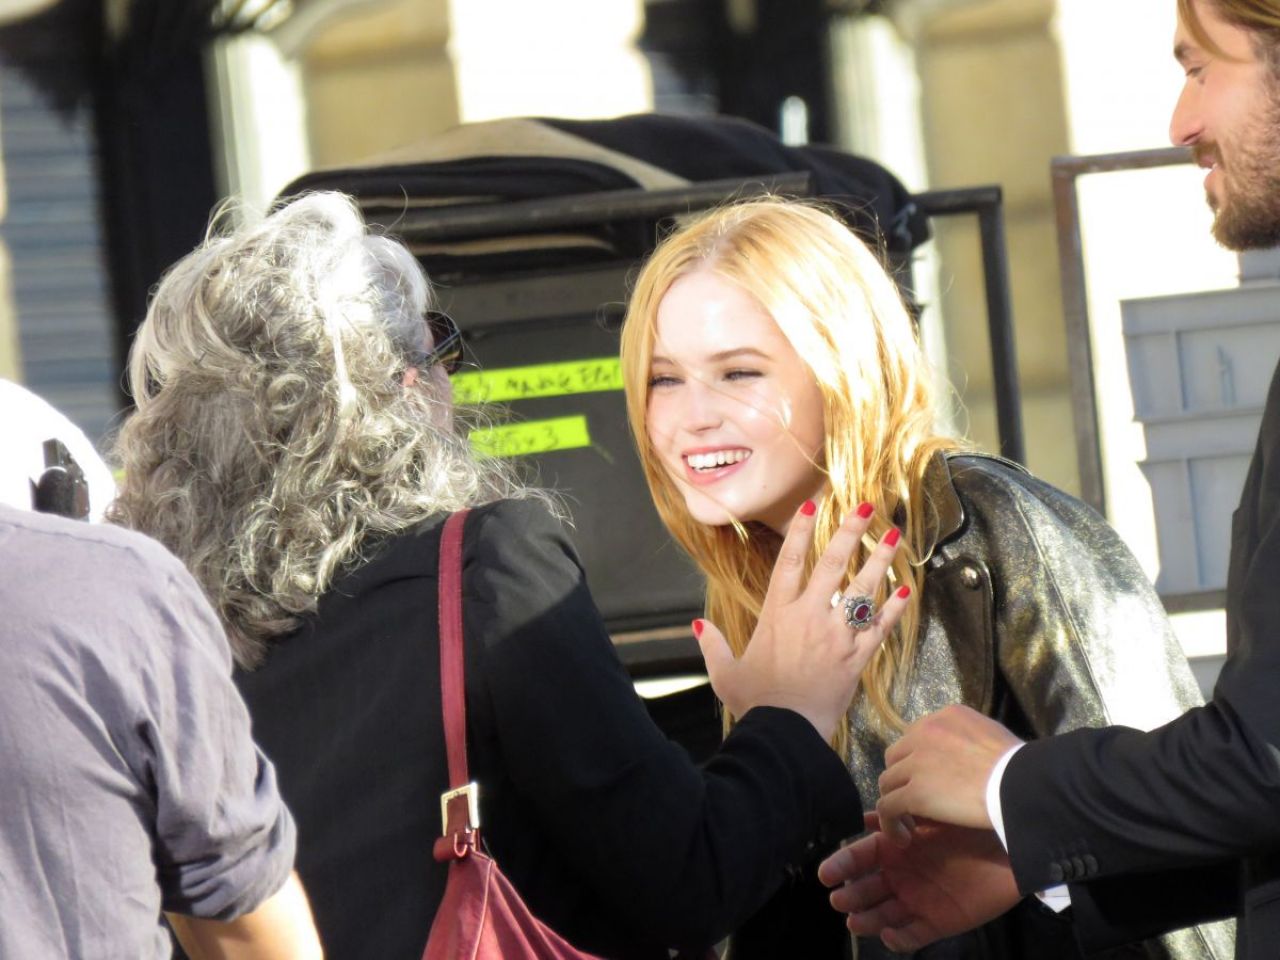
530	295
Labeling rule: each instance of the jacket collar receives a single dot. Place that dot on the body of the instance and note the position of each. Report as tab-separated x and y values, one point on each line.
945	508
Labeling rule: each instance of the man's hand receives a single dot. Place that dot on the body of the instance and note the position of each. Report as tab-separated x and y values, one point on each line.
948	880
939	769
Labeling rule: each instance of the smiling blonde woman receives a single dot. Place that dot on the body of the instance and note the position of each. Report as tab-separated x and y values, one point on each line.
768	358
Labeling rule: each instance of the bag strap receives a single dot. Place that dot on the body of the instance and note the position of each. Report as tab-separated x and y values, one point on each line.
452	669
459	805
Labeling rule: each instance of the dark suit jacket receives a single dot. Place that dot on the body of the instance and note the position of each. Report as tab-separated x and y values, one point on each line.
1181	824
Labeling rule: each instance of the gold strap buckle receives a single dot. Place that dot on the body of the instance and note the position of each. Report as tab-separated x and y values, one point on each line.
472	792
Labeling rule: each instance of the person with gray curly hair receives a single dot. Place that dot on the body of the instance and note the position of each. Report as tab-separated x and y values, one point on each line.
295	443
273	437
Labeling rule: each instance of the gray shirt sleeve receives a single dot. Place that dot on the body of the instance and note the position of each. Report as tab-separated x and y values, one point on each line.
224	840
128	780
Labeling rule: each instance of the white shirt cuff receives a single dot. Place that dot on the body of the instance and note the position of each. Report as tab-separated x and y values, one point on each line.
1056	898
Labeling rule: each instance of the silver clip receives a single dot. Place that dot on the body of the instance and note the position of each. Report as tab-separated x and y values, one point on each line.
472	792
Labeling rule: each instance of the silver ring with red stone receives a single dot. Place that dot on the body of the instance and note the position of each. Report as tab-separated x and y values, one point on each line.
858	612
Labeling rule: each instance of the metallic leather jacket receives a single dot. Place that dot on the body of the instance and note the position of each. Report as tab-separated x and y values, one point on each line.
1035	613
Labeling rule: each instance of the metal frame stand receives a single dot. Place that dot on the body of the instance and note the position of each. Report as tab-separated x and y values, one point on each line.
987	203
1075	299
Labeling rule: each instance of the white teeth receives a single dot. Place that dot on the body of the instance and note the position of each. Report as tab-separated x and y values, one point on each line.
721	458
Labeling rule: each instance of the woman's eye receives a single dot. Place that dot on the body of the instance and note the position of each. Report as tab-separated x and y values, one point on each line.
742	374
662	380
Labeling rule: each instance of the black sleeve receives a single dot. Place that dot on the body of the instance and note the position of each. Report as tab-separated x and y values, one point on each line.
1118	910
1113	801
798	921
681	853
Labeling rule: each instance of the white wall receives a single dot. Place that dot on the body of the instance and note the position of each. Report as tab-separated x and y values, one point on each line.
570	58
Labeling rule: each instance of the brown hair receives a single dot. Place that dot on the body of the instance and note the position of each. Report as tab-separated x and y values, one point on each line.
1260	17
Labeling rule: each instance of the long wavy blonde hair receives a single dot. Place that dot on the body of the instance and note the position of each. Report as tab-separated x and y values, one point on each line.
833	301
273	438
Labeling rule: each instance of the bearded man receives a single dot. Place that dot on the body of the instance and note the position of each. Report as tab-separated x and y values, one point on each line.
1149	831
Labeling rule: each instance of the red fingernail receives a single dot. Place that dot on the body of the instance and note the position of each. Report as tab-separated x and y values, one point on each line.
865	510
904	592
891	538
808	508
697	628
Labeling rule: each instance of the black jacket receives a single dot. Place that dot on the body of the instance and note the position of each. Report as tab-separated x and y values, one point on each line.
610	832
1158	830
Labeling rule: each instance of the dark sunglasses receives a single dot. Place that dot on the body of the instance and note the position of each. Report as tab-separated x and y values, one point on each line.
446	341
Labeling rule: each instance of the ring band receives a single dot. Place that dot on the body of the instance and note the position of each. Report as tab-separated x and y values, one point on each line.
858	612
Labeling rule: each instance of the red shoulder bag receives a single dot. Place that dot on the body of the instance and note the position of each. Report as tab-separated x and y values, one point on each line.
481	917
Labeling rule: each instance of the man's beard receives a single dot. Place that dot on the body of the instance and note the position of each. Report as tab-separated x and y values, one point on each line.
1248	215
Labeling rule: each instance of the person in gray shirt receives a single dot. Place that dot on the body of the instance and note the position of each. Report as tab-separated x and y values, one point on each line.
129	785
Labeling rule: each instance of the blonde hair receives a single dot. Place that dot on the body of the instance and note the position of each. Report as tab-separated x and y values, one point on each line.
832	299
273	439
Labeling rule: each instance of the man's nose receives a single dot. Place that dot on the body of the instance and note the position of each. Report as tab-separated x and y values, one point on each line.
1186	126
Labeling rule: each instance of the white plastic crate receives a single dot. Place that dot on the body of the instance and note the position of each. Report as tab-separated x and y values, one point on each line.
1201	353
1194	499
1200	366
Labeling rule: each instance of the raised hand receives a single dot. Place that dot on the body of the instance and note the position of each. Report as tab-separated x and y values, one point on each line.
946	881
939	769
803	655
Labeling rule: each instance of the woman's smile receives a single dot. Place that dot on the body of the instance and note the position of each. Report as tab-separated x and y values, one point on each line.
708	466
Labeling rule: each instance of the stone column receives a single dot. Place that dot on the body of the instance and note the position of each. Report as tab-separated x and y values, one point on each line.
994	112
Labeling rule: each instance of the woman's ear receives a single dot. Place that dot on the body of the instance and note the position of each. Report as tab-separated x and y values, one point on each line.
409	377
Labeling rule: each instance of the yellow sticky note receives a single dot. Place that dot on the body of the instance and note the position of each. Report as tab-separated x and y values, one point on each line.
533	436
539	380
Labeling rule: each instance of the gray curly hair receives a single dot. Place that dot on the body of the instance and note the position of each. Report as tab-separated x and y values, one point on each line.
273	440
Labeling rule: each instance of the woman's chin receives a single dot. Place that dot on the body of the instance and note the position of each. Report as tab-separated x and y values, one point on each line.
710	514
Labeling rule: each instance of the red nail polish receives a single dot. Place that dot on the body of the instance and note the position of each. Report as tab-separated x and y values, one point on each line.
697	628
808	508
865	510
891	538
904	592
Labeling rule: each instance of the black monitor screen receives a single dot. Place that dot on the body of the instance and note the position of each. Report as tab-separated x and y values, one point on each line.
545	352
